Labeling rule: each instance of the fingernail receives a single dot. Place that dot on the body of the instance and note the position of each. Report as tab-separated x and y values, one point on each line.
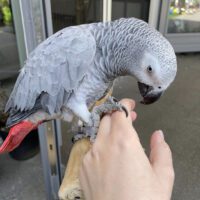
161	135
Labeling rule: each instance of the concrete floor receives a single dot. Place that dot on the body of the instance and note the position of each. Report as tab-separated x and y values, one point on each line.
177	114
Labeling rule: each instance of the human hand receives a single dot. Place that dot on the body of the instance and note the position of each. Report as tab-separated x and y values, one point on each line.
117	168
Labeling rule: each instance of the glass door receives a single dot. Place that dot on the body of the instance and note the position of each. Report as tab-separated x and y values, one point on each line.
130	8
9	55
55	137
180	23
21	29
67	13
184	16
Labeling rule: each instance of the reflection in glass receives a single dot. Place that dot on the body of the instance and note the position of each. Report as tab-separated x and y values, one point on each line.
130	8
184	16
9	61
37	20
73	12
68	13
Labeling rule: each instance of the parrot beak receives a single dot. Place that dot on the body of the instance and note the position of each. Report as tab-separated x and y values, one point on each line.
146	92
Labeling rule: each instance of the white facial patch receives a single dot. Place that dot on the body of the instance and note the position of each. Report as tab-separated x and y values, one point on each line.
150	60
152	77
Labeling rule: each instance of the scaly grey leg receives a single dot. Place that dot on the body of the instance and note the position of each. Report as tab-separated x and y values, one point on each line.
112	104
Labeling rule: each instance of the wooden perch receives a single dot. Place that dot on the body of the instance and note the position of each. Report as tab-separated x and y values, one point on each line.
70	188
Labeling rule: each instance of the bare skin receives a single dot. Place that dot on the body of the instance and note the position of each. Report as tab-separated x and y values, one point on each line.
117	167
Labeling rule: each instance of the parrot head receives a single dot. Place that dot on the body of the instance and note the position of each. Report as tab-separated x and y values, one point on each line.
156	69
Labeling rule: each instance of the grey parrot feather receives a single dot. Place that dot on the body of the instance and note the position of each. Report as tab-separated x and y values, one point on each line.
48	69
72	69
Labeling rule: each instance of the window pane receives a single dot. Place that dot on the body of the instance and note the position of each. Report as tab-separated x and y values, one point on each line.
9	60
184	16
70	12
130	8
18	179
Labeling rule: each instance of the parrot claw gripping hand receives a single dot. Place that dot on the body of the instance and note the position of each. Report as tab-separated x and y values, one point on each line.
110	105
74	68
90	130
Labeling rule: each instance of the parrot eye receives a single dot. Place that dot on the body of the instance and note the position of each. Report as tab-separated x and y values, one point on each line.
149	69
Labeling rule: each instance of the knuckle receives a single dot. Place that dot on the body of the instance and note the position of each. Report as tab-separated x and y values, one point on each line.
128	102
125	143
124	137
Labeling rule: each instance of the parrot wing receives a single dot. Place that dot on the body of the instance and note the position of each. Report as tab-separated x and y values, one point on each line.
54	69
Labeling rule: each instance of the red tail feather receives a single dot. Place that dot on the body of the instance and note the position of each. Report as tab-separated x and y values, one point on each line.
16	134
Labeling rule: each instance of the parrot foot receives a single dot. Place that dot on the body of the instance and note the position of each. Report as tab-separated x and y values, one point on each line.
78	136
91	132
90	129
112	104
116	105
86	132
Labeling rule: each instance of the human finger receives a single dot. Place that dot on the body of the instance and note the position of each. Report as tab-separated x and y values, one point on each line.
161	160
118	117
104	126
133	116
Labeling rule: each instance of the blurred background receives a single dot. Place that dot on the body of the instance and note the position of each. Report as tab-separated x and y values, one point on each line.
35	169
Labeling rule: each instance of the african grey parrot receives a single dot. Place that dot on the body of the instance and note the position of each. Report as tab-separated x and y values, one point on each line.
72	69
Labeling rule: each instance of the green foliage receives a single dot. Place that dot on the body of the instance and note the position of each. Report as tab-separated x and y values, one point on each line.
7	16
6	11
4	3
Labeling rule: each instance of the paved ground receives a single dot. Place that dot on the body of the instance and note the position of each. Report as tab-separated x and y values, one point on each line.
9	65
177	113
191	17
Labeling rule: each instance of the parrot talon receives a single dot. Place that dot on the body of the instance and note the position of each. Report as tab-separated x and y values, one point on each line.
115	99
117	105
87	132
78	136
125	110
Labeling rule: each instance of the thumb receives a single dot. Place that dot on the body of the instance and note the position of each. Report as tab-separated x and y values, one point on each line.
161	160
